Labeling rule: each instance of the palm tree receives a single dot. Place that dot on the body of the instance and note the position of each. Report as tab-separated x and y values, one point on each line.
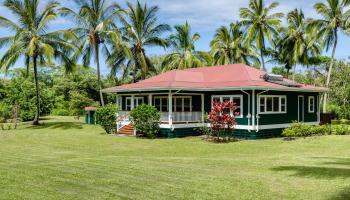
260	24
297	43
140	30
185	55
31	39
95	28
227	47
334	18
281	54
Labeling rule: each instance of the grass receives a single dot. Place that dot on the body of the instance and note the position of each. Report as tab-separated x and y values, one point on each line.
66	159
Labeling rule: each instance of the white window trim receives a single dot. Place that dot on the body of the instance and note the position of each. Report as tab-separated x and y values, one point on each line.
174	97
160	102
183	103
231	97
280	104
135	99
309	103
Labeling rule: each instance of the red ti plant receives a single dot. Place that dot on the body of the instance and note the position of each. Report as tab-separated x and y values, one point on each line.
222	117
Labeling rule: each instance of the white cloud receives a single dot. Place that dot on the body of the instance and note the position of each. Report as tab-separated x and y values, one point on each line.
206	15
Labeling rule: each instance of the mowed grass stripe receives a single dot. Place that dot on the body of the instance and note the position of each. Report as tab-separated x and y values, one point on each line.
75	161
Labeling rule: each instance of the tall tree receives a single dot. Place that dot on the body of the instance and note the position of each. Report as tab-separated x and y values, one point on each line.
185	55
31	40
95	27
334	19
140	29
227	47
260	24
298	44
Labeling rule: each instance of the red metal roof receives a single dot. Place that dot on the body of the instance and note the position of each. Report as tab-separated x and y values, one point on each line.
226	77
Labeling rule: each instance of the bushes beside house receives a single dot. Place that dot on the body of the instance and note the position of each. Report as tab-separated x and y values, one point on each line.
303	130
106	117
146	120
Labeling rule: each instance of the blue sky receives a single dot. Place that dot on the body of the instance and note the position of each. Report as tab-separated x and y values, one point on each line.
205	16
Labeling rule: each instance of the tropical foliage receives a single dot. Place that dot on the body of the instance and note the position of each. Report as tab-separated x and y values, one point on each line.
140	29
222	120
57	78
227	47
185	55
95	28
260	24
146	120
31	40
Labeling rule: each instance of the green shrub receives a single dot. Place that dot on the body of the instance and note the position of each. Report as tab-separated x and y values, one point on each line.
146	120
298	130
302	130
106	117
341	121
340	130
321	130
60	112
27	115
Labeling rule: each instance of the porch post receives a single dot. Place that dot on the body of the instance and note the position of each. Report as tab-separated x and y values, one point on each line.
253	109
170	107
202	97
132	102
117	114
150	99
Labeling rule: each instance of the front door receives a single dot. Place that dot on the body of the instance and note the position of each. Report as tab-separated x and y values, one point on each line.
300	108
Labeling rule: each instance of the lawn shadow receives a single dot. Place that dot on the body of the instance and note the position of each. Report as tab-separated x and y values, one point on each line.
58	125
331	169
325	169
343	194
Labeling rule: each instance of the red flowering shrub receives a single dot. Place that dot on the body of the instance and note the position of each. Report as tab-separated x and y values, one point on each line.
222	118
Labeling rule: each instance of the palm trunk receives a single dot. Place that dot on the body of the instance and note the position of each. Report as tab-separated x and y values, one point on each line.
134	74
97	57
294	71
329	74
37	113
287	73
262	67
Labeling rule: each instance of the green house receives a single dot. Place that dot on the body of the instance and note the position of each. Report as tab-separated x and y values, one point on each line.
266	103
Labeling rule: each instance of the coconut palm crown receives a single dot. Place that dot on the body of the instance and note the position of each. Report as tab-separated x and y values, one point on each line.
298	44
95	28
260	24
185	55
31	41
334	18
140	29
227	47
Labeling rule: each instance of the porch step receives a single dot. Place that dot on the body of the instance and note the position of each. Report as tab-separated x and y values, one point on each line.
127	130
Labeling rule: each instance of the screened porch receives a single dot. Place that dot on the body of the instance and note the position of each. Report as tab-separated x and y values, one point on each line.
185	108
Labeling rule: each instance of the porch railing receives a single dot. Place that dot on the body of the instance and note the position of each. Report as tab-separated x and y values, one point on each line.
177	117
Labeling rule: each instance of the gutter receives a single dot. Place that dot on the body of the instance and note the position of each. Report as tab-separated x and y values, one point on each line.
257	116
112	90
249	116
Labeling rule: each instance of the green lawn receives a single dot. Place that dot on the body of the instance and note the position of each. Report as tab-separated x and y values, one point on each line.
66	159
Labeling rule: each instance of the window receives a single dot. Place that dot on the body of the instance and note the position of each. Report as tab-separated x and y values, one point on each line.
311	104
237	99
161	103
137	101
128	104
182	104
269	104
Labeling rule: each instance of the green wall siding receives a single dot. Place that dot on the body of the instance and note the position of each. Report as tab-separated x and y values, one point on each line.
240	121
292	109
